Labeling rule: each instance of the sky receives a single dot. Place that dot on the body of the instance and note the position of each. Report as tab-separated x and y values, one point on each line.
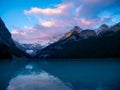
30	21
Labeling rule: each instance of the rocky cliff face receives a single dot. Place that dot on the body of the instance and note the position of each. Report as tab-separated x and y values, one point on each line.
115	27
5	36
72	34
102	28
7	46
106	29
87	33
77	34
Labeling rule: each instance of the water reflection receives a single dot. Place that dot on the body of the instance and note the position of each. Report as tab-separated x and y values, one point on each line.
31	78
75	75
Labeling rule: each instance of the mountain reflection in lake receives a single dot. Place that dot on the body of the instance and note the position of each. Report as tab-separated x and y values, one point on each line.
62	75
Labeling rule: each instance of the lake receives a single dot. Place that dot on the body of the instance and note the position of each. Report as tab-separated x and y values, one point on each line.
82	74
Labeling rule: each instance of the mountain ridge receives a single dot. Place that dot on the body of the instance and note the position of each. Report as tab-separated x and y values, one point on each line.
104	44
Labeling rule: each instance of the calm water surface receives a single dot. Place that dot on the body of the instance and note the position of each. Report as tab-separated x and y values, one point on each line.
97	74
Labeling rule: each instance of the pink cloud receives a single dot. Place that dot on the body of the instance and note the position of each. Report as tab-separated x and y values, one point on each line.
48	23
87	23
36	33
59	9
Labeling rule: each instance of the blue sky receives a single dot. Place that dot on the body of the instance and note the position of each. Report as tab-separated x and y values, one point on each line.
12	10
41	20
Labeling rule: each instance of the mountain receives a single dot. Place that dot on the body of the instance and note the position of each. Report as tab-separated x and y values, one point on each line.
85	44
8	49
77	34
104	29
84	34
73	34
31	49
5	36
115	27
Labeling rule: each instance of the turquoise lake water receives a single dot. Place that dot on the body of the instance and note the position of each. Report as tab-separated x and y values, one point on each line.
82	74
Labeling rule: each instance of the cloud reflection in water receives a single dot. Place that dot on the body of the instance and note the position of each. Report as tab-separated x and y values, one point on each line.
36	81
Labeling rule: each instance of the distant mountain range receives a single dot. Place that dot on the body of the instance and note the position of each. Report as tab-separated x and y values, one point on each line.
103	42
31	49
